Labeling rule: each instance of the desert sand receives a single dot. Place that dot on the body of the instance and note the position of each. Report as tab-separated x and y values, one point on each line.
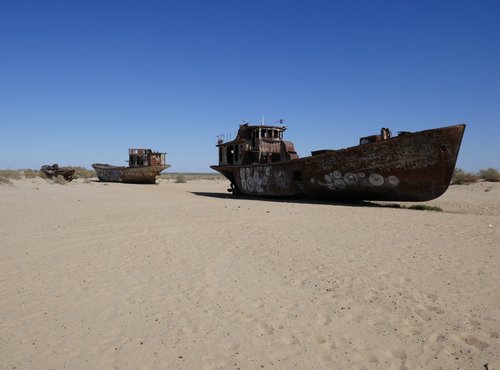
183	276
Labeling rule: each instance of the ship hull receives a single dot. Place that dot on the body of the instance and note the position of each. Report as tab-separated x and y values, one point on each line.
135	175
409	167
51	173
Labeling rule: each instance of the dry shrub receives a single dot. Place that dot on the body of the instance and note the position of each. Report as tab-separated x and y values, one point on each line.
59	180
191	176
6	176
5	181
425	207
11	174
81	172
31	174
491	174
460	177
180	179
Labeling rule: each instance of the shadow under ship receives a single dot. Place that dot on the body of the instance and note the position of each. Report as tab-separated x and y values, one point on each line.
412	166
144	167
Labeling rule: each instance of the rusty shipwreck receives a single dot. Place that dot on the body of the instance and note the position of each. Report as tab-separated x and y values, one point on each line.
412	166
144	165
54	170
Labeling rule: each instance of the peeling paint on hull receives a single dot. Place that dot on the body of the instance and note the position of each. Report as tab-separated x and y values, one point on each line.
137	175
410	167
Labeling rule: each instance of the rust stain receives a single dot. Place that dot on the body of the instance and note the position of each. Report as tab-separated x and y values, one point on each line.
409	167
144	166
54	170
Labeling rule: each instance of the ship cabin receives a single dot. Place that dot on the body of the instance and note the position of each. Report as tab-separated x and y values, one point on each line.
385	134
145	158
256	144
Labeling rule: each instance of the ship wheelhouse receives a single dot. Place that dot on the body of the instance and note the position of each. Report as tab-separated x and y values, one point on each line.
256	144
145	158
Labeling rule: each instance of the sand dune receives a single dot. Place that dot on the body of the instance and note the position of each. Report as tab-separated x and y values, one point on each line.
115	276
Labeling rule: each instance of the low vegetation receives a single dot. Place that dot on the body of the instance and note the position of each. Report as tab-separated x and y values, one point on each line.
81	172
6	176
11	174
460	177
424	207
180	179
419	207
490	174
59	180
187	176
31	174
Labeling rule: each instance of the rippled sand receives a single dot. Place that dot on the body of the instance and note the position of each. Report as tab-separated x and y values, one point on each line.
183	276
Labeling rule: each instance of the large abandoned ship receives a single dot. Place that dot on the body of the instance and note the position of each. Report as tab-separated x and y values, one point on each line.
412	166
144	165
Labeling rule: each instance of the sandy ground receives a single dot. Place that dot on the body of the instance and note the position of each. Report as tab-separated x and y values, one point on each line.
182	276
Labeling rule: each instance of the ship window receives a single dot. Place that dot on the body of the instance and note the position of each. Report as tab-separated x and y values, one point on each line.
236	147
297	176
229	154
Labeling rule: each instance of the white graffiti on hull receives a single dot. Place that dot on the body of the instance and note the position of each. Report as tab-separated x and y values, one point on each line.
256	179
335	180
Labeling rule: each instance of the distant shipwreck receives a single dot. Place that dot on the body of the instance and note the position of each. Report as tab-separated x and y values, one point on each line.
414	166
144	166
54	170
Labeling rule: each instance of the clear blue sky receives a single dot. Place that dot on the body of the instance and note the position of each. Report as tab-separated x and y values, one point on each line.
82	81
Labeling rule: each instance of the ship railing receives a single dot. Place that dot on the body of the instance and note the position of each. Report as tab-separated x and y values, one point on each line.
224	138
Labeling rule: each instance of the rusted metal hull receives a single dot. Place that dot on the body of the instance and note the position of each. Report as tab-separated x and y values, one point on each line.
411	167
136	175
55	171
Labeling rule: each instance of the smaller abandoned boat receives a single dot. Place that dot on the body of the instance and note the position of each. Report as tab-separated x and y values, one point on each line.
144	165
55	170
413	166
